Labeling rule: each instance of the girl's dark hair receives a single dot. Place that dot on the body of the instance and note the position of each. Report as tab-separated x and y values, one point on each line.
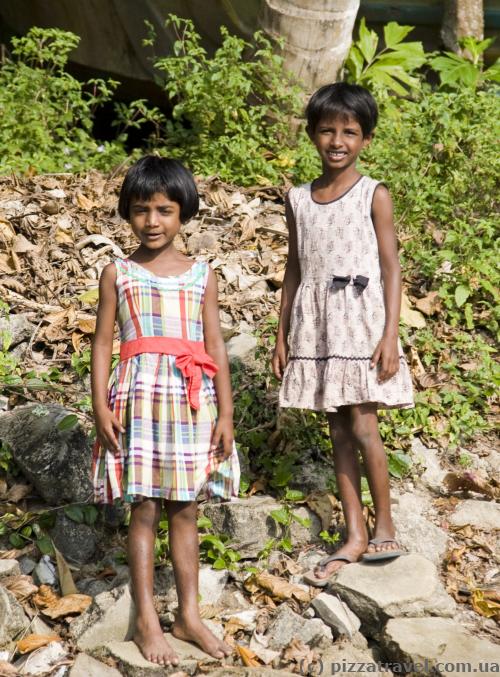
152	174
342	98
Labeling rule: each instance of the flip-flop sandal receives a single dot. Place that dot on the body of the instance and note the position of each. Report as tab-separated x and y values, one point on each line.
311	579
383	554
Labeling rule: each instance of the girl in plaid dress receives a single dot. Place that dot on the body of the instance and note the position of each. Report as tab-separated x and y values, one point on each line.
164	425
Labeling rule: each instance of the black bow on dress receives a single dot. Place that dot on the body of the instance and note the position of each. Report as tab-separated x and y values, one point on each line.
341	282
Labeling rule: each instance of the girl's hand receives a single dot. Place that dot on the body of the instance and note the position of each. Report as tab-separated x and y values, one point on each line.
386	358
223	434
279	359
106	424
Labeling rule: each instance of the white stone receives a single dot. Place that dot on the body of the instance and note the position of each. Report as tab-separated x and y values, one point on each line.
433	475
437	640
343	658
241	347
40	661
336	614
9	567
406	586
13	620
415	532
287	625
479	514
86	666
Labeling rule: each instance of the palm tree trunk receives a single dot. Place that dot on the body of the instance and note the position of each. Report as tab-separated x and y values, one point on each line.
461	19
317	35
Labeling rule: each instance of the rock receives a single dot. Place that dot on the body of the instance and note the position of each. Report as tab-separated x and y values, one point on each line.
26	564
406	586
433	475
239	671
77	542
39	662
336	614
249	524
312	476
86	666
18	327
241	348
9	567
12	617
416	533
211	585
110	617
45	572
287	625
434	643
342	659
133	664
57	463
479	514
92	586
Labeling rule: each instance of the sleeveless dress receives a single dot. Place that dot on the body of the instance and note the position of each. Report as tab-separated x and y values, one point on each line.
165	451
338	313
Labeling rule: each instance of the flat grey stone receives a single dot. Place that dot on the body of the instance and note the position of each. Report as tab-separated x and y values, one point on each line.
287	625
239	671
13	620
479	514
9	567
336	614
242	348
433	474
132	663
406	586
248	522
111	616
18	326
86	666
415	532
344	659
77	542
441	642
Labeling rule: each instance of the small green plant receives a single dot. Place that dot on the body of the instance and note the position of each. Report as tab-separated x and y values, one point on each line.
285	516
216	549
82	514
465	460
231	111
392	67
329	539
467	70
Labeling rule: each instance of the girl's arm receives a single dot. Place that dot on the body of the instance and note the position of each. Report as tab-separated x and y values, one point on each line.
214	345
387	350
102	348
290	284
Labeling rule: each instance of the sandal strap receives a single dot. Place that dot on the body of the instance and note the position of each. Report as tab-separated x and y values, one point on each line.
379	541
333	558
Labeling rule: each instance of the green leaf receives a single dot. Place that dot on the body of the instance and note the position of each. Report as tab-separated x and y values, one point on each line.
394	33
281	516
367	42
68	422
469	316
204	523
90	297
219	564
399	464
44	544
303	521
90	514
17	541
294	495
462	293
75	513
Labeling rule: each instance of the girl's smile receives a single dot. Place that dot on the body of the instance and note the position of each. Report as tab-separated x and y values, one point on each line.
155	222
339	141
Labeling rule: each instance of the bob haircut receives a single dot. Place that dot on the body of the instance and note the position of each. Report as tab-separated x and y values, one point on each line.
342	99
152	174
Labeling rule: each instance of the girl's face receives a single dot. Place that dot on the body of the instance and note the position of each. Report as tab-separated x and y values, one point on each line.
155	222
339	141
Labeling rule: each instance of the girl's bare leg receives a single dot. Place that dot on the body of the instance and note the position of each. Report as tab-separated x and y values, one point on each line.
148	636
367	436
348	475
184	551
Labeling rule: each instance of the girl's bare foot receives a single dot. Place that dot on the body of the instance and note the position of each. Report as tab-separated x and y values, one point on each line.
196	631
352	550
152	643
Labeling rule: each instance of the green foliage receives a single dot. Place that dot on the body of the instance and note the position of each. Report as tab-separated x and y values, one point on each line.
459	71
231	111
46	115
82	514
392	67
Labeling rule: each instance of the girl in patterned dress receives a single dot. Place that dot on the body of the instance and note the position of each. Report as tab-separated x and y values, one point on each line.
337	347
164	426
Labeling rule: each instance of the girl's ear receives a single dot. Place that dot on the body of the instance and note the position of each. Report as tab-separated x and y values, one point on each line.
368	139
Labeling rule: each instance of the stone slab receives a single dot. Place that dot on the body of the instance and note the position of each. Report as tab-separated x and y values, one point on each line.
479	514
86	666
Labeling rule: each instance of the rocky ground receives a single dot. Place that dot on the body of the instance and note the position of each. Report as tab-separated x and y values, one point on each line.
69	611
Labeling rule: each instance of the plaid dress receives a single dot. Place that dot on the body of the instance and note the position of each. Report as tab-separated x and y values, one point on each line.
165	450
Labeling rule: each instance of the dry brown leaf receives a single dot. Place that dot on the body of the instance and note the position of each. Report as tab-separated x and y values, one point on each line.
45	597
324	505
84	202
18	491
21	586
470	481
485	607
3	488
278	587
68	605
21	245
32	642
66	581
62	237
409	316
248	226
247	656
430	304
87	325
7	669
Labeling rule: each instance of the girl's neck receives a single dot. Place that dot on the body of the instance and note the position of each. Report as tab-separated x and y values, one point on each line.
333	178
165	254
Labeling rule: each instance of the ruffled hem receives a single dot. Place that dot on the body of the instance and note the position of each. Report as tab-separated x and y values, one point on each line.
326	385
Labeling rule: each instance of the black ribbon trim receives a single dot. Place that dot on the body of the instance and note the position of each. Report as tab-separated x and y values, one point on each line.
341	281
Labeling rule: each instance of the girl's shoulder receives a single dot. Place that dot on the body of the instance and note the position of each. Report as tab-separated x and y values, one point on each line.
297	193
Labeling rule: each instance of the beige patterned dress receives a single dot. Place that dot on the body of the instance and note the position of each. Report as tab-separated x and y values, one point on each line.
338	312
